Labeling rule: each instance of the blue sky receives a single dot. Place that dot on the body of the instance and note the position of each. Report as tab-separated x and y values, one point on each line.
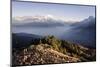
67	12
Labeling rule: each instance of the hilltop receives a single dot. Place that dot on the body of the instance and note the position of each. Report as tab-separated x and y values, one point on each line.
50	50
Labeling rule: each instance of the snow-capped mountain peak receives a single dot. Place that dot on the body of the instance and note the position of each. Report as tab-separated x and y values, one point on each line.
48	20
37	18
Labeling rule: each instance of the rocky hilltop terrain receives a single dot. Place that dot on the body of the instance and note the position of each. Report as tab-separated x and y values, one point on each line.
41	54
50	50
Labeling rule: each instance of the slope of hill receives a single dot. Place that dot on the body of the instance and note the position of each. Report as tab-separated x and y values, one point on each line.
23	39
50	50
41	54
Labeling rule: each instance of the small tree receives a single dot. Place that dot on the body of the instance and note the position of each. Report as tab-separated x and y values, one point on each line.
40	42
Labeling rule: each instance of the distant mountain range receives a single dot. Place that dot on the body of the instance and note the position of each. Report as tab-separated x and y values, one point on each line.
86	23
37	21
48	21
83	32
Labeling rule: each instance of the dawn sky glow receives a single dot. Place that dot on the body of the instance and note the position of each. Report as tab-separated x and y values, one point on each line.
66	12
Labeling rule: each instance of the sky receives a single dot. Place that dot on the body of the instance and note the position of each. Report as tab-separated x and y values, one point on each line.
63	11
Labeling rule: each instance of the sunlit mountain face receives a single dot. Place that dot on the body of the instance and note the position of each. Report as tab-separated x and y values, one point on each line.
50	21
39	21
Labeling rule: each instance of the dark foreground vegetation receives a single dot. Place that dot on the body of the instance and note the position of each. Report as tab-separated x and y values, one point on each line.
50	50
